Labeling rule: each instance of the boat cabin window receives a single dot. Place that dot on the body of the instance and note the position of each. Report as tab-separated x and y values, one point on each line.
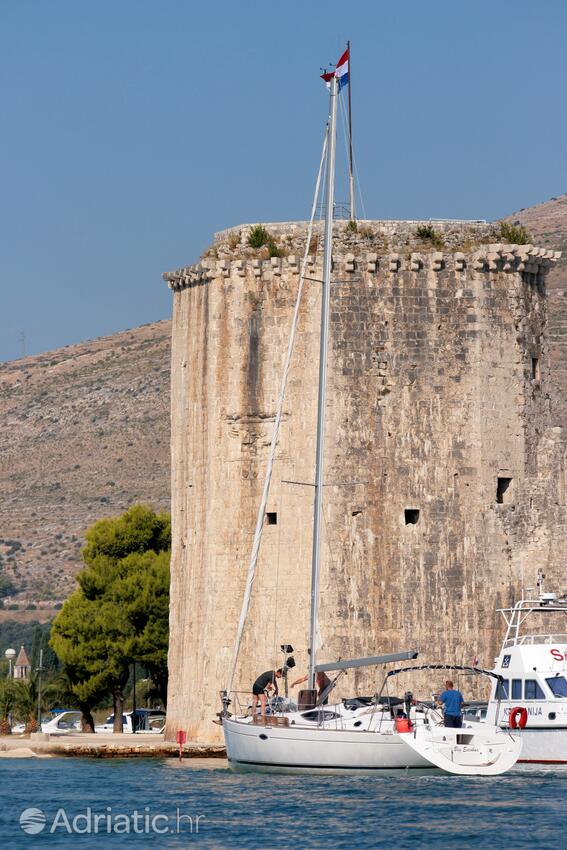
502	689
558	685
533	690
319	715
516	689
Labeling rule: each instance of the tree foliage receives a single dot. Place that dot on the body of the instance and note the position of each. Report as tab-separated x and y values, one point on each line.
7	702
514	233
19	702
119	613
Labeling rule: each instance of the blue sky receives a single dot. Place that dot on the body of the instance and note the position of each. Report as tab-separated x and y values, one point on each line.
132	130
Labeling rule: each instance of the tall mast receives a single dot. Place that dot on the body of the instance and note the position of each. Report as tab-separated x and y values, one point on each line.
325	304
350	163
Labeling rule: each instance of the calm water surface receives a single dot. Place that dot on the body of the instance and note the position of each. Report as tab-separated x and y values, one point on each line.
210	807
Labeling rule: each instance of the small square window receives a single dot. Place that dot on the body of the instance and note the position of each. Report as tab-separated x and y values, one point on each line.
503	490
411	516
271	518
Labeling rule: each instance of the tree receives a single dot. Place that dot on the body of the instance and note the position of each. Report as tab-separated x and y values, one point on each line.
78	637
141	594
25	699
119	613
7	700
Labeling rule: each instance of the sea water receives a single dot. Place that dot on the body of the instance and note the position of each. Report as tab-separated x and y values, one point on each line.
79	803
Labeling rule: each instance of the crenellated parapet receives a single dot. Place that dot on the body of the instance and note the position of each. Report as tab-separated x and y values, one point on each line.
494	257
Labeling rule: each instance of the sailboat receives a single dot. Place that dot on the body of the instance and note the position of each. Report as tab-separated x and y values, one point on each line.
359	734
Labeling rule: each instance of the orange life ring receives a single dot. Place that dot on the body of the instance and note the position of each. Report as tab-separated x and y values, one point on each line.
522	719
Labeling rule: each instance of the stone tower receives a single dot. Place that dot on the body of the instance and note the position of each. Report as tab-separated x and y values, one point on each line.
22	667
445	483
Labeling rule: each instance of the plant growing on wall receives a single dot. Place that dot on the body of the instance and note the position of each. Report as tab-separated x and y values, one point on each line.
234	240
515	234
258	236
427	233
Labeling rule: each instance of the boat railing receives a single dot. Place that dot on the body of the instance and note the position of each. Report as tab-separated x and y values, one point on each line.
536	640
241	704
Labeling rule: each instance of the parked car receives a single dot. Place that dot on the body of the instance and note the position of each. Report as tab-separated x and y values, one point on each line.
148	721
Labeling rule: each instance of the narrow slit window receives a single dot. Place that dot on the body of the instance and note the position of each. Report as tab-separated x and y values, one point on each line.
271	518
535	369
503	490
411	516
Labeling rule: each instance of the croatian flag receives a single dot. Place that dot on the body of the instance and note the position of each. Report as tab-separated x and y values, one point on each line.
341	72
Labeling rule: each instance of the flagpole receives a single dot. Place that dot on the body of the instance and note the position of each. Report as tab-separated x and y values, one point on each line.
351	175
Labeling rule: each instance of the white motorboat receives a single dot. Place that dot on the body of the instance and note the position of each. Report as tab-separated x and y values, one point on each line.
59	722
346	736
532	695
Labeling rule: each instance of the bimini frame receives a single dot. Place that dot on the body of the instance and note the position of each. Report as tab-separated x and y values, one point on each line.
479	670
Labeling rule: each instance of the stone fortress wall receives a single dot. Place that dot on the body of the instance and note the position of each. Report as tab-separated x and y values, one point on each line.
445	482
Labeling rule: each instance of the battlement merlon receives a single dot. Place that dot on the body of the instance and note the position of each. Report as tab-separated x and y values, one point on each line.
348	259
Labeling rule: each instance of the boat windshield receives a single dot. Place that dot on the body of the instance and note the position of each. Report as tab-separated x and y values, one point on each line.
558	685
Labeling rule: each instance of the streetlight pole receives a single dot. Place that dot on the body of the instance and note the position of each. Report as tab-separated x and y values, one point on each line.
134	698
39	670
10	654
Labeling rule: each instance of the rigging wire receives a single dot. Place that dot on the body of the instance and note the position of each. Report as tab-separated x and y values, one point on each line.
275	603
354	165
275	434
358	185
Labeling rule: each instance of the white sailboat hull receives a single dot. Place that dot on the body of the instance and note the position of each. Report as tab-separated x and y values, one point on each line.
296	748
474	751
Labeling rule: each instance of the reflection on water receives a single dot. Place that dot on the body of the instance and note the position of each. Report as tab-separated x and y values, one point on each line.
199	802
190	763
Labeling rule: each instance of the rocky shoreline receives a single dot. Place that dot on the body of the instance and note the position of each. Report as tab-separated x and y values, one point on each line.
41	745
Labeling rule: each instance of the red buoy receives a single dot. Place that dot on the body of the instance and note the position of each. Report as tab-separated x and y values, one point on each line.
521	714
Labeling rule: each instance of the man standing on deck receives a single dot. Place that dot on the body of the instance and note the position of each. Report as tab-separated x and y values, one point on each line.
265	682
452	702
